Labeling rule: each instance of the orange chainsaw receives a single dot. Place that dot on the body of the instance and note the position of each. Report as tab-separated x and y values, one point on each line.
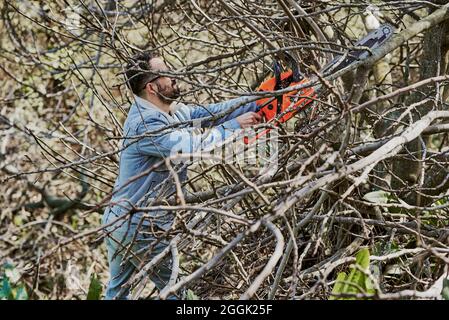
278	109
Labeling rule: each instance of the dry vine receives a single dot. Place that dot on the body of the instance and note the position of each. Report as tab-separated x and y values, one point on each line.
367	168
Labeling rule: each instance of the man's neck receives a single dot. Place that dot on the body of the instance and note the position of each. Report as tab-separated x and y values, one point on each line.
164	107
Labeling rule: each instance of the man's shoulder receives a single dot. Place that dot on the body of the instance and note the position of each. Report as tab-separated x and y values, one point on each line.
138	115
182	111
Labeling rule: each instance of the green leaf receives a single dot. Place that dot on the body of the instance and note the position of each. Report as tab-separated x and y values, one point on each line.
357	281
357	277
6	290
369	286
379	196
95	288
190	295
339	286
445	291
362	258
21	293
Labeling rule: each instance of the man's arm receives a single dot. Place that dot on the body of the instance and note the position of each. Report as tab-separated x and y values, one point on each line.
216	108
174	140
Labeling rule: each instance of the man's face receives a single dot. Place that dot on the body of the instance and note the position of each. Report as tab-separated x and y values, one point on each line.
164	87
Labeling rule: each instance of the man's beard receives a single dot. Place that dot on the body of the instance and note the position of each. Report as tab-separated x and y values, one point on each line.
168	96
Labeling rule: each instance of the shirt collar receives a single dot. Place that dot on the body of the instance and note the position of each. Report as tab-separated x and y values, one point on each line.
145	103
141	102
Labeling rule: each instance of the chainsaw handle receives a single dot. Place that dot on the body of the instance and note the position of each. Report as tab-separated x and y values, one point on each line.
269	112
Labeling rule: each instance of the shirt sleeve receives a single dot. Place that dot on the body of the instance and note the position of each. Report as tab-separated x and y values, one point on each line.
161	141
213	109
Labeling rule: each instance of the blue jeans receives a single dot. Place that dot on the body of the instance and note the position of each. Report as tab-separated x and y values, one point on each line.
117	243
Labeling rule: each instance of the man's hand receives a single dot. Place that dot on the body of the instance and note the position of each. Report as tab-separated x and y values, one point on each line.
248	119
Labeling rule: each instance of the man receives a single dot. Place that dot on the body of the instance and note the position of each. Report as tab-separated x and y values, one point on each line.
154	130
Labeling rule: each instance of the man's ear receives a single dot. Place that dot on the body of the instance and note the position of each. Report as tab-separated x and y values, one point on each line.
149	89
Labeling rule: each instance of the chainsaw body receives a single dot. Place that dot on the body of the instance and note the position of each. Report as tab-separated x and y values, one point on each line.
271	108
280	108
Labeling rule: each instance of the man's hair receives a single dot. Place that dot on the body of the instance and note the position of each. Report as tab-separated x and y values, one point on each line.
138	70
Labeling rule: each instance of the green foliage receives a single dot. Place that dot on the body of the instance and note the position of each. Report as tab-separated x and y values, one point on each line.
10	288
95	288
379	196
357	281
190	295
445	291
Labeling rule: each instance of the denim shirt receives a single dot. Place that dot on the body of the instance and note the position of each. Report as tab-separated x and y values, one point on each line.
164	136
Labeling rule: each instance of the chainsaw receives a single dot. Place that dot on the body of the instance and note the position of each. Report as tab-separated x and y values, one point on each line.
281	108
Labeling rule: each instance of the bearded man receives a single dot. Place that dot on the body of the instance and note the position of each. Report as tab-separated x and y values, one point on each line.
157	127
